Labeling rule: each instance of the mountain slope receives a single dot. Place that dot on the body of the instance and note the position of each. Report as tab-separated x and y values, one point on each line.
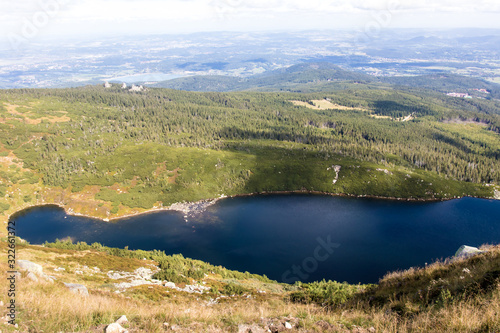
324	76
276	80
446	83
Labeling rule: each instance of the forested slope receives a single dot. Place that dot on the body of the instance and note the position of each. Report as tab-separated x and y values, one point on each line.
109	152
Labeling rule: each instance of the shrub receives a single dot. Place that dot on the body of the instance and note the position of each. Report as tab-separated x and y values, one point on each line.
325	292
234	289
170	275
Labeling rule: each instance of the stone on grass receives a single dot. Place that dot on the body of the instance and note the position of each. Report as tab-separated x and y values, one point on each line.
32	277
122	320
115	328
170	285
466	251
251	329
29	266
77	288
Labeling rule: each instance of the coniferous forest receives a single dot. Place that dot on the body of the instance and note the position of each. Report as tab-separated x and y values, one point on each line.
114	150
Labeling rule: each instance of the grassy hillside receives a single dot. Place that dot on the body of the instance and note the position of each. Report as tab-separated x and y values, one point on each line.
462	295
110	152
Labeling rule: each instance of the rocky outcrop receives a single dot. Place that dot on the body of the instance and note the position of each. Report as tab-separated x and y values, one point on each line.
32	277
141	276
122	320
79	289
251	329
387	172
115	328
34	271
192	208
144	276
169	284
466	251
29	266
336	168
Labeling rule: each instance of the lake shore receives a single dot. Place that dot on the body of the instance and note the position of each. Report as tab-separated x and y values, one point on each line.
196	207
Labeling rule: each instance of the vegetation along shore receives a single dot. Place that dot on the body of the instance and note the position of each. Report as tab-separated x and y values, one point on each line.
109	153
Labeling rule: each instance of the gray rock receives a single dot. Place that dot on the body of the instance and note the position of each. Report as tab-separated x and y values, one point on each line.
288	326
466	251
77	288
251	329
133	283
29	266
143	272
122	320
116	275
169	284
32	277
115	328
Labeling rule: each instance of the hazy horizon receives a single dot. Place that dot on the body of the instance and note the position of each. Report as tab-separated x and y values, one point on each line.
42	20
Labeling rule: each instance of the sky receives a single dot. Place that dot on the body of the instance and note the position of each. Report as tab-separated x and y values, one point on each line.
27	19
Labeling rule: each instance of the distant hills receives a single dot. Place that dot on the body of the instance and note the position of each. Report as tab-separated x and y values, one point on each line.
281	79
446	83
324	76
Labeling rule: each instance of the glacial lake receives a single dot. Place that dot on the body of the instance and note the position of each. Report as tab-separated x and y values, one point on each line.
291	237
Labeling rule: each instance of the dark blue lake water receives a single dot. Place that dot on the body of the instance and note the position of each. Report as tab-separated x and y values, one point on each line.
291	237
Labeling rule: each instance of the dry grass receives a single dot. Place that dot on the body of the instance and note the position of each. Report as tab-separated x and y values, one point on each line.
402	119
50	307
323	104
29	119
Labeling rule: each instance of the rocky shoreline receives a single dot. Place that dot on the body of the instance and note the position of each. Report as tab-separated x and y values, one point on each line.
190	209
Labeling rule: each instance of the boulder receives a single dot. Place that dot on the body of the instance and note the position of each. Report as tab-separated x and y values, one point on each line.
169	284
122	320
77	288
466	251
29	266
32	277
114	328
